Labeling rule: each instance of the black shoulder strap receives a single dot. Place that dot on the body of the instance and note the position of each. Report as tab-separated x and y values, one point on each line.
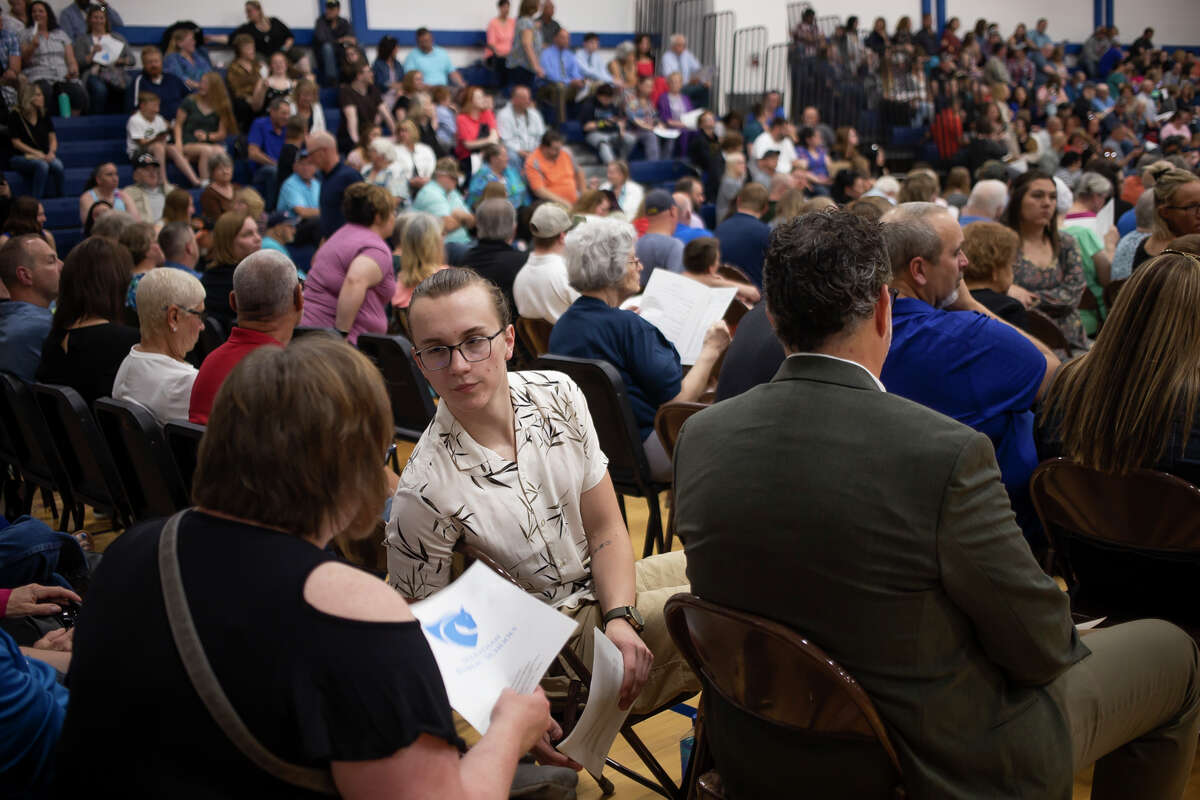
205	682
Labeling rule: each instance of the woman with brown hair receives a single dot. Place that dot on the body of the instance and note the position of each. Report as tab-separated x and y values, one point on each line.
991	249
1130	402
234	237
592	203
87	340
1048	262
221	193
351	278
357	698
1176	210
204	121
245	80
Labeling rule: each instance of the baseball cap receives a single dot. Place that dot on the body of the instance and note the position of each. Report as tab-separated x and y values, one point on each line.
329	3
549	219
145	159
280	217
658	201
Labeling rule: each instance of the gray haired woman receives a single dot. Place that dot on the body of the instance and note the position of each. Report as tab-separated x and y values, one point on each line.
603	267
170	305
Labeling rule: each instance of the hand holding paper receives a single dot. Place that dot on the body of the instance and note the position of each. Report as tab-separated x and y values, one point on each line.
487	635
601	720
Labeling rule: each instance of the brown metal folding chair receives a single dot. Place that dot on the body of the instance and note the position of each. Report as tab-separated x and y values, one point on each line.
768	671
534	334
667	422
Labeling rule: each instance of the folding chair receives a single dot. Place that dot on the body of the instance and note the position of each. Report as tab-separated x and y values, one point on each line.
667	422
1128	545
767	671
33	450
85	455
579	677
608	403
151	479
412	399
1043	328
534	334
1111	291
183	440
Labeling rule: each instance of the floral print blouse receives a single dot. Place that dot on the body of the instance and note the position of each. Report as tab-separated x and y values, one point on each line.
524	514
1059	288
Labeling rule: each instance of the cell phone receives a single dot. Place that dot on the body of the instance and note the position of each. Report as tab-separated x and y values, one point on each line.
70	610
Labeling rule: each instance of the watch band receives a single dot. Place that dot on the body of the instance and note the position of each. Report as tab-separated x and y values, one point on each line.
627	613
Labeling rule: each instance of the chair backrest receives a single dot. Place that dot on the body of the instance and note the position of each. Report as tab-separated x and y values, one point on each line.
1043	328
183	440
412	400
1111	291
212	337
34	452
670	419
152	481
772	673
535	335
1131	542
733	315
612	415
305	330
85	455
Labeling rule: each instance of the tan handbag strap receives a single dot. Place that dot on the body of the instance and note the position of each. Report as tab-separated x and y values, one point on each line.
205	682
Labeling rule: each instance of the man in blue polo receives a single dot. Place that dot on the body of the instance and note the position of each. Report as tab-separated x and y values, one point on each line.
265	145
951	354
29	270
336	177
432	62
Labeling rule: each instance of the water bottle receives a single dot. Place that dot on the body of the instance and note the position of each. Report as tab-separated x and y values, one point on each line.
64	105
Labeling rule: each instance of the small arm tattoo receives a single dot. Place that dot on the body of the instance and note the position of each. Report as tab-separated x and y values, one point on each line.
601	546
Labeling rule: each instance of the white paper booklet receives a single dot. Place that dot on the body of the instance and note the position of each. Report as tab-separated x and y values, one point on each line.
1104	219
683	309
488	635
110	50
593	735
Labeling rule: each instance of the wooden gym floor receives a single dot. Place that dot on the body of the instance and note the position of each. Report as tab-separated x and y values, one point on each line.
662	733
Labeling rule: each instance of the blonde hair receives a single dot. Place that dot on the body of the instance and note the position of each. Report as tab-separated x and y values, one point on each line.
158	290
1166	183
1121	401
421	248
255	205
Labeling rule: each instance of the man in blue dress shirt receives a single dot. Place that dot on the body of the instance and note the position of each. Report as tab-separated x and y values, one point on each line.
972	367
29	270
743	236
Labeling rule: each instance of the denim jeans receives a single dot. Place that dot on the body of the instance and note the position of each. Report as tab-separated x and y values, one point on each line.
100	93
327	63
31	552
266	181
36	171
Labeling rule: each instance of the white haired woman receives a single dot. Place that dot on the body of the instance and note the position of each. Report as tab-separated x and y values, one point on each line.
603	267
170	306
384	169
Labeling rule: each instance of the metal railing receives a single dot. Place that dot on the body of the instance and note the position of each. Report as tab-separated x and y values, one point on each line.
776	73
794	12
716	51
687	17
829	25
650	16
747	67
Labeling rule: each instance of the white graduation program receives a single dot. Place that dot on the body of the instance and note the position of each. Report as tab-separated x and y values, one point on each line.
683	309
487	635
601	720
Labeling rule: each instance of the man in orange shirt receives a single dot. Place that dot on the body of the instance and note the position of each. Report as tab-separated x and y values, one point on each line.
551	172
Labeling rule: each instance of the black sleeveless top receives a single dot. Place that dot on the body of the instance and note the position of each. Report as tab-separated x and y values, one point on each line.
311	687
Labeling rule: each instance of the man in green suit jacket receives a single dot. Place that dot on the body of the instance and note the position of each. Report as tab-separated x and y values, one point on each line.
880	530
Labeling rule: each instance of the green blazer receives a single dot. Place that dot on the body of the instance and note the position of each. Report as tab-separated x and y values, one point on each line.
879	529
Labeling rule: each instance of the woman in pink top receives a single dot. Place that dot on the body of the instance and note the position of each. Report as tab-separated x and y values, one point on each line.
476	124
500	32
351	279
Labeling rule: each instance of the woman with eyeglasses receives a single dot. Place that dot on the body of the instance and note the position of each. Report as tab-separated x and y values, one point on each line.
155	374
603	267
1176	210
512	465
351	279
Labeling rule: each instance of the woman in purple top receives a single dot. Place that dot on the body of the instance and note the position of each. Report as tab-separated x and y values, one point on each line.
672	105
351	279
817	157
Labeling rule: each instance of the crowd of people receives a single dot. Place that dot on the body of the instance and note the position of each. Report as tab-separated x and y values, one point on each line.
1025	295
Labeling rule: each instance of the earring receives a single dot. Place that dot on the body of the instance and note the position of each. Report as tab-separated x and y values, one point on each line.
174	329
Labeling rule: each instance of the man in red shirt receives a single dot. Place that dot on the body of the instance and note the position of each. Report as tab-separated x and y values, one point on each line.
267	299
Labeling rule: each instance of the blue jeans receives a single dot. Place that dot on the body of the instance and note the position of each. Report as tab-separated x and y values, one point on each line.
327	63
36	171
31	552
266	181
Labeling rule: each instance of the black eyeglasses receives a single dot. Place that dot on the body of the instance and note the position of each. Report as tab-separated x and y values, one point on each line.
192	311
476	348
893	294
1194	208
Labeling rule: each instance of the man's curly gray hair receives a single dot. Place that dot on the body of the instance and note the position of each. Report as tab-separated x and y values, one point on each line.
597	253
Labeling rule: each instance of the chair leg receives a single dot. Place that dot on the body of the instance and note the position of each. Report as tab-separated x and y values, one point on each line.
670	540
654	529
65	519
48	502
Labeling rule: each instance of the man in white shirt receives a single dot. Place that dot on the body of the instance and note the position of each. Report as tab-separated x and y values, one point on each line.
148	194
521	125
541	289
679	59
777	137
592	64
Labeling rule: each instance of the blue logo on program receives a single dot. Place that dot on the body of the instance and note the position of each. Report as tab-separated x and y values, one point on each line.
455	628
